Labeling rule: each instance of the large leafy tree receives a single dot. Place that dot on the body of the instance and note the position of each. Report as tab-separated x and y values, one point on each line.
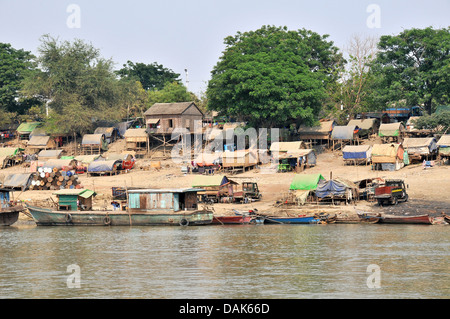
14	66
78	85
152	76
413	68
273	77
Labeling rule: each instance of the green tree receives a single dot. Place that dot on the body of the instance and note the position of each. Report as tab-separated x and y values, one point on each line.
14	66
152	76
77	83
171	93
413	68
273	77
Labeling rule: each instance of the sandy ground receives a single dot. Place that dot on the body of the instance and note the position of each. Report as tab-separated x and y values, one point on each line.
428	189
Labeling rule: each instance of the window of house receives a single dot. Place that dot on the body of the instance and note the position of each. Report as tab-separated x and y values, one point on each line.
170	123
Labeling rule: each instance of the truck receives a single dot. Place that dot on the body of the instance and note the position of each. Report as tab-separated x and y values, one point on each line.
391	192
250	191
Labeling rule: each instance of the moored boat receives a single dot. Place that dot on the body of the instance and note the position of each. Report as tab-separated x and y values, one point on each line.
232	220
144	207
292	220
9	212
357	219
418	219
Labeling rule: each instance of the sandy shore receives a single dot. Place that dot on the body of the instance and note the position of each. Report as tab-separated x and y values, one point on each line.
428	189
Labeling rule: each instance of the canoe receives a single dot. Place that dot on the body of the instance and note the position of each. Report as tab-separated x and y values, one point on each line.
357	219
419	219
292	220
49	217
231	220
10	215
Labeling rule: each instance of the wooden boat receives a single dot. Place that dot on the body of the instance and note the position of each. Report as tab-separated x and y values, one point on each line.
357	219
419	219
446	218
233	220
9	213
145	207
292	220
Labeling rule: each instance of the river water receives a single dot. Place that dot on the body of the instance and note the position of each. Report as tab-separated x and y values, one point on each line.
229	262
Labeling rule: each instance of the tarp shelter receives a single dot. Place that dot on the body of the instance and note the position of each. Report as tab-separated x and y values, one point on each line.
41	142
49	154
320	132
366	126
420	146
305	181
94	142
111	133
444	146
349	132
337	189
357	153
24	130
389	156
21	181
391	129
7	154
64	164
127	160
104	166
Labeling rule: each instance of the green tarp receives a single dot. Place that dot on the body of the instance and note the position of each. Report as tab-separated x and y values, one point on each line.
305	181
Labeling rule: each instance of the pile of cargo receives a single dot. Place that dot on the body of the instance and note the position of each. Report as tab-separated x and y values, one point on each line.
47	178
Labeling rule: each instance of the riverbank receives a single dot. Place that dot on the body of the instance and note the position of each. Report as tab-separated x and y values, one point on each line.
427	188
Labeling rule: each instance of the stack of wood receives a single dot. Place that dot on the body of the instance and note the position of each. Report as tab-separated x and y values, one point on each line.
54	179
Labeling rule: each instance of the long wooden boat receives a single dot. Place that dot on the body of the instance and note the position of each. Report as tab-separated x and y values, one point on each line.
145	207
357	219
10	215
292	220
49	217
446	218
233	220
419	219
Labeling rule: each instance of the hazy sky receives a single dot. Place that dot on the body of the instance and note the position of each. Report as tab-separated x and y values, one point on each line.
189	34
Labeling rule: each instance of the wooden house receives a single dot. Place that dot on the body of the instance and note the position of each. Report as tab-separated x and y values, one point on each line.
239	160
214	187
24	130
163	118
74	199
137	140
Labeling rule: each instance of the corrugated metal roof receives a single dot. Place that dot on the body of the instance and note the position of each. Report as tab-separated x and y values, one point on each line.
17	180
85	193
208	181
169	108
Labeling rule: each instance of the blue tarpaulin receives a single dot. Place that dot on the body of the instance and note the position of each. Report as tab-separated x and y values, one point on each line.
356	152
330	187
104	166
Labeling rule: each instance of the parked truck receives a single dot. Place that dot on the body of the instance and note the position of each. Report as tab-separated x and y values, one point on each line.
391	192
249	192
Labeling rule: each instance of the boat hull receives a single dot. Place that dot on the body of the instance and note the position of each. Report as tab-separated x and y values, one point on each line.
48	217
9	216
292	220
231	220
421	219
